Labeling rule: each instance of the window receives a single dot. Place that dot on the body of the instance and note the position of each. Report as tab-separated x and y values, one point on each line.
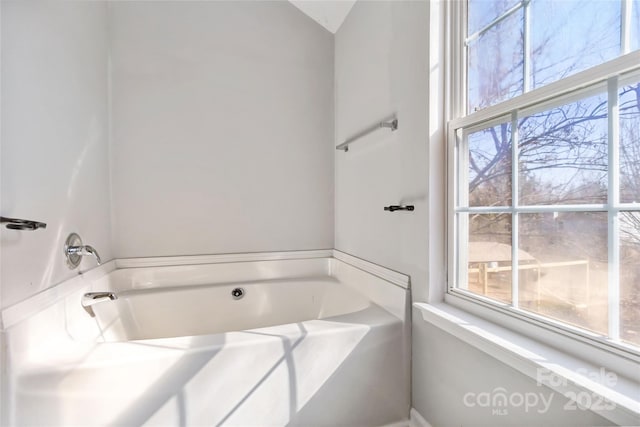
544	167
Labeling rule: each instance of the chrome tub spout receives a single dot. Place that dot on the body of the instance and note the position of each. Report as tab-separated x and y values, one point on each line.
92	298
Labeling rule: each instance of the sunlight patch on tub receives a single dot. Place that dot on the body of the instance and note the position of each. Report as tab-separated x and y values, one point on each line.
302	369
318	370
270	373
141	382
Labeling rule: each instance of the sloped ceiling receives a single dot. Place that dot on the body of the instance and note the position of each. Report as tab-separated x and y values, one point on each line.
328	13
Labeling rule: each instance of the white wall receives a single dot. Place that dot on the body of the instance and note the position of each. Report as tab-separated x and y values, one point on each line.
446	369
222	128
53	147
389	59
381	68
222	117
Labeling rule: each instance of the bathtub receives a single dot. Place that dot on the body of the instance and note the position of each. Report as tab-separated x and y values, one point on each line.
317	340
176	311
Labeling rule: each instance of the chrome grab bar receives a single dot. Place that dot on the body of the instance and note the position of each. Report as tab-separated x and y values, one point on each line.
92	298
392	124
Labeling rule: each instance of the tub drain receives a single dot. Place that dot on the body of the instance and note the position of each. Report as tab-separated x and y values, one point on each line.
237	293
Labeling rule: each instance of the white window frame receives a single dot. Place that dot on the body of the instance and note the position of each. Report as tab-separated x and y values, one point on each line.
606	352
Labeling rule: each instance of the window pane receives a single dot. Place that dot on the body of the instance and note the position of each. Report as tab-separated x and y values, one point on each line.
572	35
481	12
568	278
563	154
630	143
489	256
495	64
490	166
630	277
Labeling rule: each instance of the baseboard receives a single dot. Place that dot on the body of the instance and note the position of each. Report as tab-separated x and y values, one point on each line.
417	420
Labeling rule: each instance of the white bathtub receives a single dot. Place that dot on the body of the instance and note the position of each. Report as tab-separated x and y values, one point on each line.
313	342
175	311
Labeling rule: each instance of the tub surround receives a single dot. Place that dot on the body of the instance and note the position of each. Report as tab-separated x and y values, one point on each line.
240	95
54	139
59	360
105	105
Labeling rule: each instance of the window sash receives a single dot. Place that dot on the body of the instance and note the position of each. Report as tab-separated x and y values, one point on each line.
556	91
613	206
459	13
610	75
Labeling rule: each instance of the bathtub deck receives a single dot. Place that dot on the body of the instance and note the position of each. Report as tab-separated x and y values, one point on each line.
282	375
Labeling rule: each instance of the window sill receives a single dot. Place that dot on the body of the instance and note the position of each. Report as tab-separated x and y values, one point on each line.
561	372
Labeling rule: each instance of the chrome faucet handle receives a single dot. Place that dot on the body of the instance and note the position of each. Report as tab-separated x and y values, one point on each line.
85	250
74	250
91	251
